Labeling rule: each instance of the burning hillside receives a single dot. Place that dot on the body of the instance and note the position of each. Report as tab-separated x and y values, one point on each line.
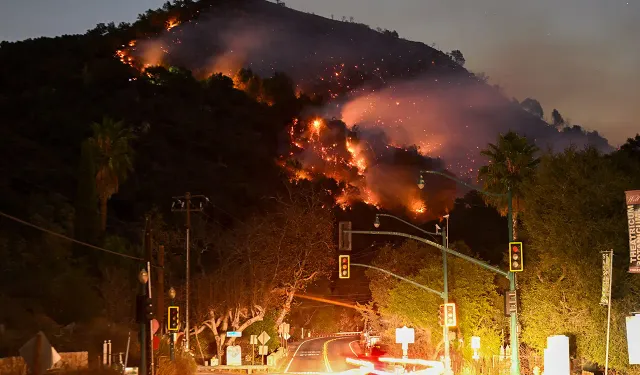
385	178
396	92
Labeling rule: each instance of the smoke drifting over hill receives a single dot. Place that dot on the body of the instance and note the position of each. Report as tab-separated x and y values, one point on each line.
408	91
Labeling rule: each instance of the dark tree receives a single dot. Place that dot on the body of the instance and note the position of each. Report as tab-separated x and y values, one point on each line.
533	106
457	57
556	117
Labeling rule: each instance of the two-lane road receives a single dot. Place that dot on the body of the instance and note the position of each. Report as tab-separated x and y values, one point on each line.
321	355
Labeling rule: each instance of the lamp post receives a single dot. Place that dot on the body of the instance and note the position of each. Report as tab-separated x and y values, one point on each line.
445	293
515	355
172	354
143	278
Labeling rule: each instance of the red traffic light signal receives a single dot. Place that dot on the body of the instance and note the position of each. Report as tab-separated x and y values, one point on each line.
450	314
344	264
173	323
515	257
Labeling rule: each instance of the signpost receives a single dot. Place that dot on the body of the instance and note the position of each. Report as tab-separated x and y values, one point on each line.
263	350
253	340
405	336
475	345
234	334
283	332
633	220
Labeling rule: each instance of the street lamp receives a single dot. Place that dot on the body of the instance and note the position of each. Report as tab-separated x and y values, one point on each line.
172	294
515	355
445	293
143	277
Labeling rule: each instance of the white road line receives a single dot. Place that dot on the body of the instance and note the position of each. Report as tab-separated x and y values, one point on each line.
350	347
296	352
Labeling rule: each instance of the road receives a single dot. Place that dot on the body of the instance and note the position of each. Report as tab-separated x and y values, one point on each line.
321	355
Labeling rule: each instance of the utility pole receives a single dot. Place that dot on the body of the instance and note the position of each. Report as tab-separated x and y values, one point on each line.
143	278
160	293
183	204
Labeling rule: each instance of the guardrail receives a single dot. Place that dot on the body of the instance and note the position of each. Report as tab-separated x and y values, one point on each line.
248	368
348	333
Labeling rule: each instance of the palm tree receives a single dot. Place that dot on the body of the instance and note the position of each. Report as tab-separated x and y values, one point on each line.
114	160
511	164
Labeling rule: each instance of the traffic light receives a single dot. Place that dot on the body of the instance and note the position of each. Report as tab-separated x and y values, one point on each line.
344	263
515	257
450	314
148	309
441	315
344	236
144	309
510	302
174	318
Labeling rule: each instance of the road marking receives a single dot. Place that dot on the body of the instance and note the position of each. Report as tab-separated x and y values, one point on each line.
350	347
325	350
296	352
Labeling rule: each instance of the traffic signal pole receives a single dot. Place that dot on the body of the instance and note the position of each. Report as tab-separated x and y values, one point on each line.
513	337
143	339
445	297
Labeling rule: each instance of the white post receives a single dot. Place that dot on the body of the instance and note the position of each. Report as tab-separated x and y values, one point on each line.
150	324
109	353
606	360
104	353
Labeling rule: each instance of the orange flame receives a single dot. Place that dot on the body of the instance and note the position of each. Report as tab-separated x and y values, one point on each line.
418	206
171	23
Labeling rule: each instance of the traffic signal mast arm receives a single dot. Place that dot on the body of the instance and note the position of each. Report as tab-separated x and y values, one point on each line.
423	240
440	294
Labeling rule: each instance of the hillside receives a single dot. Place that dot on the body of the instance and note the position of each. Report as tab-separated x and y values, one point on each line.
359	132
368	76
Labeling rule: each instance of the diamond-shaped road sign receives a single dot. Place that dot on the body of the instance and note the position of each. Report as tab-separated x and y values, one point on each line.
264	338
286	336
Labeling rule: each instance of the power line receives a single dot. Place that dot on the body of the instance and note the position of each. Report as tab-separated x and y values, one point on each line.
66	238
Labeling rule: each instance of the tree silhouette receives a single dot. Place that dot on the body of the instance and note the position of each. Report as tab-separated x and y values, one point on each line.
457	57
533	106
114	155
512	163
557	119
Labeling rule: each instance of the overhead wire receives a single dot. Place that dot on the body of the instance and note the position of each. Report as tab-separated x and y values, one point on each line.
68	238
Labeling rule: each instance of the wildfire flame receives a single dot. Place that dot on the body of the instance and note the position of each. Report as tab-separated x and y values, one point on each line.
171	23
418	206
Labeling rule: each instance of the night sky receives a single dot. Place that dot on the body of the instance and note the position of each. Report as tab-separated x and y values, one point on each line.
580	56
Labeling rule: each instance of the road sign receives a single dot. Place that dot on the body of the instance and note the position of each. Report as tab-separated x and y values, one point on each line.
234	355
475	342
39	352
405	335
253	340
286	336
283	328
263	350
156	342
234	334
264	338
